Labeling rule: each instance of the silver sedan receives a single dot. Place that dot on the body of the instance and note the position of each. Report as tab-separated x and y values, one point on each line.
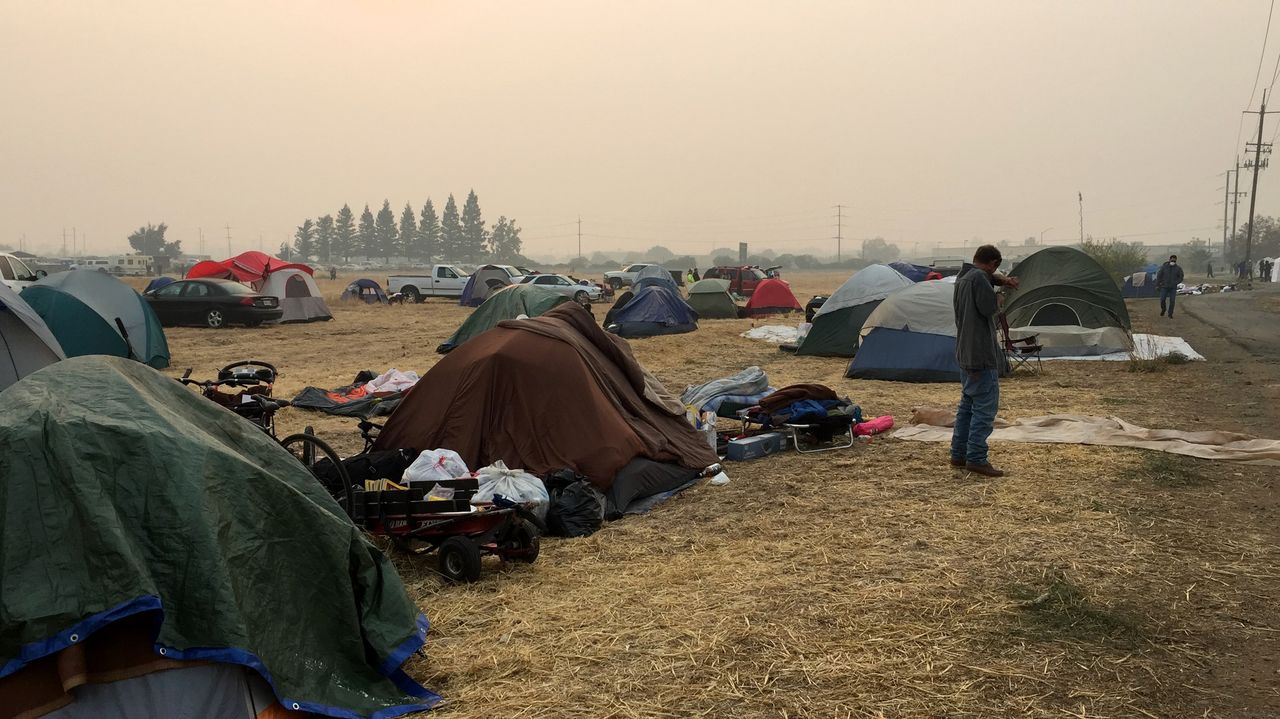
580	292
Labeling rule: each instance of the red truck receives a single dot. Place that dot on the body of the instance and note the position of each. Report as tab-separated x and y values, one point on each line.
742	280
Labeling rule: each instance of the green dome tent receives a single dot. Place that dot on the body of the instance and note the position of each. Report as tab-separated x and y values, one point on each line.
711	300
93	313
1064	286
126	499
507	303
837	323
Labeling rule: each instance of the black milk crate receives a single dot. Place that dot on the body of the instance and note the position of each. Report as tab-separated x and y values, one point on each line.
405	503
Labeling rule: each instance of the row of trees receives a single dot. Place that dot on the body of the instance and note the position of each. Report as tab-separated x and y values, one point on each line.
418	236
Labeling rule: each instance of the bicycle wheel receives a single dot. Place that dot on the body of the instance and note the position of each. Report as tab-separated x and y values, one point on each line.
310	450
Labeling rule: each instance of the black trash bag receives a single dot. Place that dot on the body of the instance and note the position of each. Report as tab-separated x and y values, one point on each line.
576	509
384	464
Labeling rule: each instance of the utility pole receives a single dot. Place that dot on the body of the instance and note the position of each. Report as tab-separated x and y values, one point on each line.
228	227
1258	164
64	242
200	234
579	235
1080	196
839	231
1226	192
73	240
1235	205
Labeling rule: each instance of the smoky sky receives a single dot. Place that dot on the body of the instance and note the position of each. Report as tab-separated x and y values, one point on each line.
688	124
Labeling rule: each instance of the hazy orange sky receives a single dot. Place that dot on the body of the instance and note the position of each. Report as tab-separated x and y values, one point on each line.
689	124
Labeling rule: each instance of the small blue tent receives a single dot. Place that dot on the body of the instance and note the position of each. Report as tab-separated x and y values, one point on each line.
157	283
653	310
1146	286
365	290
915	273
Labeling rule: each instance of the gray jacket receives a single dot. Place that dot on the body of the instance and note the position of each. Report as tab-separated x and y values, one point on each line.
1169	275
976	309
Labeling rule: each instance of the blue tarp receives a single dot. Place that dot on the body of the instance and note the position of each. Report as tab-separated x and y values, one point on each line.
905	356
915	273
159	282
654	310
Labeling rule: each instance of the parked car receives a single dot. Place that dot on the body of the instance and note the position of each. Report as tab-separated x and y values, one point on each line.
742	280
213	303
16	274
624	277
437	281
581	291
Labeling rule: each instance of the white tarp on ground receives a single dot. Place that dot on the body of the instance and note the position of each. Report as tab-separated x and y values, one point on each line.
933	424
1145	347
777	334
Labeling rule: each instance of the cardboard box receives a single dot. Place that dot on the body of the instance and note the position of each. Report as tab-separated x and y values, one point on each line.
756	446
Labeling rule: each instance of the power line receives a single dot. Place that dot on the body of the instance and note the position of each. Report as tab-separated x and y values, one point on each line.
1263	55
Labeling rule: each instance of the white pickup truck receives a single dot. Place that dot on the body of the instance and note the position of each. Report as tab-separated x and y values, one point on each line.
437	281
617	279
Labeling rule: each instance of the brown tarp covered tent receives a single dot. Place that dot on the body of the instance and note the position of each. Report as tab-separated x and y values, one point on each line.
544	394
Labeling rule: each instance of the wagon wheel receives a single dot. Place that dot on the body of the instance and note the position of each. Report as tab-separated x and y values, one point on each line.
459	559
309	450
522	543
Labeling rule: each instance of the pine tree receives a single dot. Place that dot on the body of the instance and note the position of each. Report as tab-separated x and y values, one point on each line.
451	246
428	233
407	246
344	234
473	232
304	240
367	236
385	231
325	238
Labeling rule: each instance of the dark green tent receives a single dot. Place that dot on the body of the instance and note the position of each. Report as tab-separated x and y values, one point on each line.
1064	286
507	303
837	324
711	300
92	312
124	495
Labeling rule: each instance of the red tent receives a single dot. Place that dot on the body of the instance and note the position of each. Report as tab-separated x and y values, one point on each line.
250	267
772	296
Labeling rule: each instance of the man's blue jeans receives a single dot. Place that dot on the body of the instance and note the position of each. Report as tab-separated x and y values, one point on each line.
979	399
1172	294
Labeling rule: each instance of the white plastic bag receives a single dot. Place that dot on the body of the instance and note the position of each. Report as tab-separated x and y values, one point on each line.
516	485
436	464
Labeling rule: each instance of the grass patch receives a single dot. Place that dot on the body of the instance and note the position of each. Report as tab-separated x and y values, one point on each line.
1171	469
1060	610
1156	364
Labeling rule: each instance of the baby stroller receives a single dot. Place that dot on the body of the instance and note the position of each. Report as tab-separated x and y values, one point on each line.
256	378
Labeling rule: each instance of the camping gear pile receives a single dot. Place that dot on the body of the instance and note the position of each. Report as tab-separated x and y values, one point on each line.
179	561
292	283
367	396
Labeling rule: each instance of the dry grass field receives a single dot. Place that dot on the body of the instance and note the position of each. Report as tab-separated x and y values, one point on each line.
1090	582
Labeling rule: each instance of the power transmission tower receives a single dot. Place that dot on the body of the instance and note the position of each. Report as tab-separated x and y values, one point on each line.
200	234
579	235
1258	147
839	231
228	227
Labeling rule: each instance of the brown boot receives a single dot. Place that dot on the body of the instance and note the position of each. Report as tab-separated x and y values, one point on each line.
958	463
985	470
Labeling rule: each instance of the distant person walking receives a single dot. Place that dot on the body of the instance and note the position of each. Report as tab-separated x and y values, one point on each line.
1168	277
1209	267
976	307
333	272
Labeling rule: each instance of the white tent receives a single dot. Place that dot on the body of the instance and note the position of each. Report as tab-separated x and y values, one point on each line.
26	344
871	283
298	294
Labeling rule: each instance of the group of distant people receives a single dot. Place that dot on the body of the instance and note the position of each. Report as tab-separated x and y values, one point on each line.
692	275
1245	270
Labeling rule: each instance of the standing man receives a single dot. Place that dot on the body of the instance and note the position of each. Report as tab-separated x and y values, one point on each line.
1210	268
980	360
1168	278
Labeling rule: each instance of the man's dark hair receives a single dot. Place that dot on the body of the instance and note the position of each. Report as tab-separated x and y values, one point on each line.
986	253
1173	257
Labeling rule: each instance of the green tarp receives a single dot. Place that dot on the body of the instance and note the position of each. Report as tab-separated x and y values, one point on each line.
507	303
123	492
1064	286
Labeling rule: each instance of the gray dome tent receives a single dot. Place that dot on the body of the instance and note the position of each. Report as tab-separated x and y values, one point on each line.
26	344
711	299
837	323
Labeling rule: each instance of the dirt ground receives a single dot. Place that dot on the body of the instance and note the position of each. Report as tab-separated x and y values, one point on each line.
1090	582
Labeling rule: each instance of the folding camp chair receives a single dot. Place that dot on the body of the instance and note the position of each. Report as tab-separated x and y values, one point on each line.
1020	352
